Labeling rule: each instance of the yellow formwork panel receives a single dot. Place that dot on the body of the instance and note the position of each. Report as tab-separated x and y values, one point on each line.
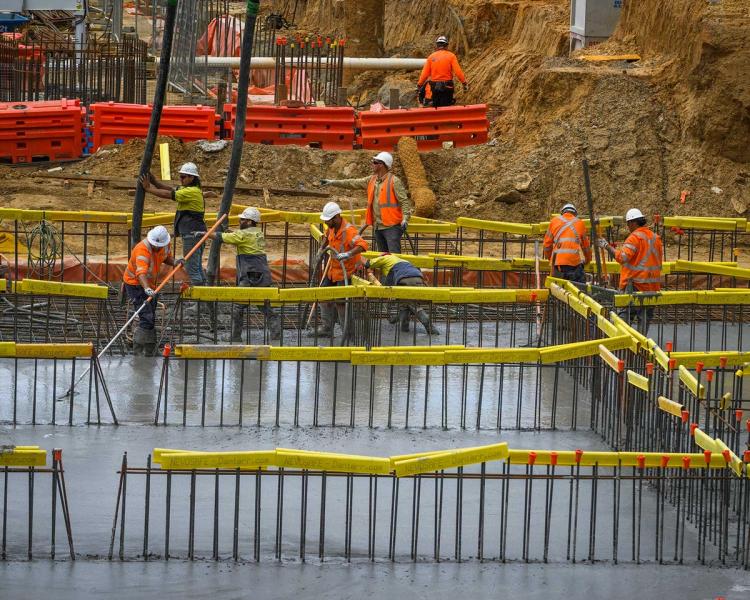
313	353
398	358
710	359
300	217
251	459
473	263
405	292
492	355
230	294
89	216
568	458
7	349
705	441
670	406
54	288
663	299
434	228
316	233
402	457
564	352
499	226
605	326
54	350
435	348
638	380
359	282
661	357
483	296
209	351
563	457
712	268
610	359
638	337
157	219
541	295
159	452
320	294
706	224
338	463
23	457
691	382
735	463
735	298
451	459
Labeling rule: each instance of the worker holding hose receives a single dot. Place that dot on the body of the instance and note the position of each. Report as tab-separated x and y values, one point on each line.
189	223
389	207
139	280
438	72
252	268
399	271
343	244
567	245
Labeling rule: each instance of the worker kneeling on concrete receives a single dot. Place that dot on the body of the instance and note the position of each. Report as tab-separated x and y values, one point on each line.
567	245
343	239
399	271
252	268
641	260
140	280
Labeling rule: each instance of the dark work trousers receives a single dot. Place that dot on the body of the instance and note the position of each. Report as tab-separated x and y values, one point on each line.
388	239
570	273
329	311
147	317
442	93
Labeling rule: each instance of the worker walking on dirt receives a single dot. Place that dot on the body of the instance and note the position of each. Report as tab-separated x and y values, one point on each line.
567	245
389	207
347	244
189	223
252	268
640	257
139	281
438	73
399	271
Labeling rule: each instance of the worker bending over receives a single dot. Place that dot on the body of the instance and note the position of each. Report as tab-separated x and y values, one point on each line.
641	259
189	223
388	205
139	282
567	245
252	268
438	72
398	271
343	238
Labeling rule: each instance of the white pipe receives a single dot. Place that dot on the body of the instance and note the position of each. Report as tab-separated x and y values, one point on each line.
360	64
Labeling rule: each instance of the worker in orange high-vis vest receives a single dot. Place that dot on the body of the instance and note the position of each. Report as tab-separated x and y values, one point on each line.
438	72
139	281
344	239
567	245
389	207
640	257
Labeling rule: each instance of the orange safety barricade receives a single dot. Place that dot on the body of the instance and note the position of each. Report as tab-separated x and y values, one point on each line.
330	128
462	125
41	131
116	123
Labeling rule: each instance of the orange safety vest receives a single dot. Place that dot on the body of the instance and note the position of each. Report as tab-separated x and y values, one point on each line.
144	260
641	257
342	240
390	209
565	239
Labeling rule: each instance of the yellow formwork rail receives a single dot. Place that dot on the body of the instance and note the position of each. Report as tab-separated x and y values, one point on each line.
677	298
638	380
55	288
404	292
713	269
320	294
23	456
705	441
492	355
329	461
713	359
670	406
612	361
575	350
219	351
45	351
230	294
497	226
450	459
84	216
588	458
706	224
398	358
691	382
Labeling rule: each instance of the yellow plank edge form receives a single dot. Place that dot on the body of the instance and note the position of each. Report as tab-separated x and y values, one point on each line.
497	296
492	355
663	299
159	452
691	382
500	226
637	338
358	281
567	458
705	441
320	293
431	228
7	349
251	459
221	351
54	350
316	233
398	358
405	292
313	353
164	161
54	288
707	224
713	268
339	463
735	462
710	359
73	216
604	325
564	352
230	294
610	359
451	459
23	457
661	357
402	457
670	406
637	380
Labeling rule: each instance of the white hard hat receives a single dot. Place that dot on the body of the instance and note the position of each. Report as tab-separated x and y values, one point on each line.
633	214
441	40
569	208
250	214
158	237
386	158
189	169
330	210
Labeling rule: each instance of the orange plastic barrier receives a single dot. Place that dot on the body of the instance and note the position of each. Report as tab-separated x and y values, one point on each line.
462	125
45	130
116	123
330	128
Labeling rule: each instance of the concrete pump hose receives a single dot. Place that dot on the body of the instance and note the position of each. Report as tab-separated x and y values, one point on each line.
416	178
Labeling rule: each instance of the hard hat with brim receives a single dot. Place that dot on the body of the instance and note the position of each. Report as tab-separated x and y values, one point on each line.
330	210
189	169
569	208
159	237
250	214
633	214
386	158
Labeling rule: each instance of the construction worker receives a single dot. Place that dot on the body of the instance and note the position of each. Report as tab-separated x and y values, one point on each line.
640	257
189	223
140	280
252	268
388	205
567	245
398	271
344	239
438	72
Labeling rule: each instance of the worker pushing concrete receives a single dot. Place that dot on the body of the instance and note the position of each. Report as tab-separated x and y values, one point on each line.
189	223
139	280
389	207
567	245
252	268
438	73
343	238
399	271
641	259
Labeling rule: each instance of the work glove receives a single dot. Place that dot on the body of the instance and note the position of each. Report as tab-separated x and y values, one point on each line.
197	234
602	243
326	182
404	225
343	256
149	292
180	262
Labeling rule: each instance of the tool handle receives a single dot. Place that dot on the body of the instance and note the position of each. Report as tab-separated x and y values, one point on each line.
315	304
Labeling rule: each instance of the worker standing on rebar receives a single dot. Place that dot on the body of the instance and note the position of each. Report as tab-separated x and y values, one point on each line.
252	268
399	271
189	223
438	73
640	257
567	245
139	280
389	207
347	244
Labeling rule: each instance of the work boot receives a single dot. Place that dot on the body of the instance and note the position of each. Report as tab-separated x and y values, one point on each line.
150	344
274	325
237	323
403	317
322	330
424	318
144	342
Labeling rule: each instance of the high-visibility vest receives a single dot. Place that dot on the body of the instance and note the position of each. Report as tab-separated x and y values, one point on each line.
390	210
342	240
641	257
567	238
144	260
